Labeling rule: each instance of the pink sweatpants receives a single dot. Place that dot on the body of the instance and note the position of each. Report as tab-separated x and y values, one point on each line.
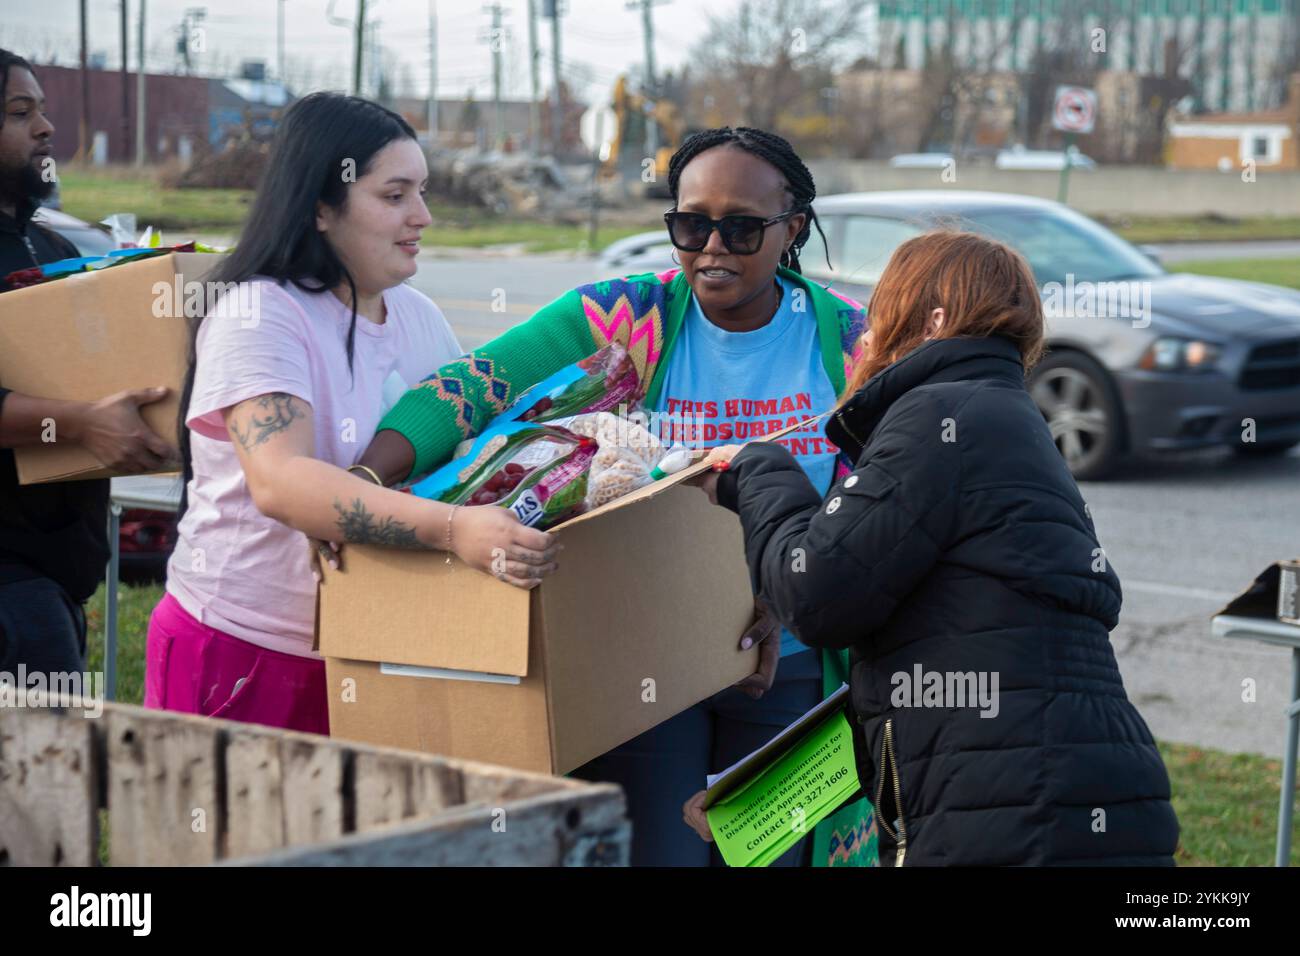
194	669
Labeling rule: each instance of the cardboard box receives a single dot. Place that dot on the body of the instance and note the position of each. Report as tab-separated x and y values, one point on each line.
87	336
642	620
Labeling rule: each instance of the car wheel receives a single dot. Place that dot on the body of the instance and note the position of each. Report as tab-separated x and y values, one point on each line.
1077	398
1263	449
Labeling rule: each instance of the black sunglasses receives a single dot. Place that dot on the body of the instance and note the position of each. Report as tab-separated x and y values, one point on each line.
742	235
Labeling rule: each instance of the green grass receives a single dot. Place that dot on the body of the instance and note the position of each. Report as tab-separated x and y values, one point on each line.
134	606
182	213
91	195
1275	271
1202	228
530	237
1226	803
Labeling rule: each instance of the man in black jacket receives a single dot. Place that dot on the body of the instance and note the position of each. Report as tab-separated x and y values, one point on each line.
53	537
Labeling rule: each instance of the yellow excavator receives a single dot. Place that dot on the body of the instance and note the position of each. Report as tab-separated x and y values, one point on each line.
648	129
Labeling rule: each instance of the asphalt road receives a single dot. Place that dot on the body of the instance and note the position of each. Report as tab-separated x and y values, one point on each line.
1184	535
482	297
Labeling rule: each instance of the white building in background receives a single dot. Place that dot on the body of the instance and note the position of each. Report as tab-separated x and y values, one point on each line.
1236	53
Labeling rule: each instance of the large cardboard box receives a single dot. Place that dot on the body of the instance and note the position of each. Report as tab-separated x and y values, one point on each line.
642	620
87	336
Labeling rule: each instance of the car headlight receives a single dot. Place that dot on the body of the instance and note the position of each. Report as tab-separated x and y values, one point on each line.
1180	355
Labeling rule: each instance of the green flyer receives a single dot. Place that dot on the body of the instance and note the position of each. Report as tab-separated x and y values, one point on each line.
783	801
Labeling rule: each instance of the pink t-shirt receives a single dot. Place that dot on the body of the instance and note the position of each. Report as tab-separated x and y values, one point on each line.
234	569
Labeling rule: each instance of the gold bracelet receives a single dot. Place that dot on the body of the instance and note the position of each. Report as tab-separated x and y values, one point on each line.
374	476
450	514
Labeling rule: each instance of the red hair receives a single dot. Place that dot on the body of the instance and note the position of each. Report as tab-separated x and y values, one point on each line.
983	286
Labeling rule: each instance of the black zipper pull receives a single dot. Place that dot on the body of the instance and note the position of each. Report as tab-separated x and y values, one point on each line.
839	417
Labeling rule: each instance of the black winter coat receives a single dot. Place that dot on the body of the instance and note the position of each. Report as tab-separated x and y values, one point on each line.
960	547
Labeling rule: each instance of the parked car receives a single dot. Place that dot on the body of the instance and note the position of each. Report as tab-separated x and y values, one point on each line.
622	255
920	160
145	541
1050	159
1190	361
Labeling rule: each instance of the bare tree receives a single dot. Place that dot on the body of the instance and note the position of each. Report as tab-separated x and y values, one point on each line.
763	49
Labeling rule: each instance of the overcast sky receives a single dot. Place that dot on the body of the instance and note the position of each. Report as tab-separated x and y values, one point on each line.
602	34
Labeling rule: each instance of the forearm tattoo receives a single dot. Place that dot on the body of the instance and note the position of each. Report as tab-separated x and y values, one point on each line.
359	526
271	413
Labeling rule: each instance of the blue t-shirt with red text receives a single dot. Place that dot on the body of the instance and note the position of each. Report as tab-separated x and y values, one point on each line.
727	388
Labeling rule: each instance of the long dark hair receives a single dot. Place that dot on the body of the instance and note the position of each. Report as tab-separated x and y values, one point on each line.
773	149
325	141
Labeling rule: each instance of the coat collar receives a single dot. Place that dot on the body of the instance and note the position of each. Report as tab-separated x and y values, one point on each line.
941	360
18	224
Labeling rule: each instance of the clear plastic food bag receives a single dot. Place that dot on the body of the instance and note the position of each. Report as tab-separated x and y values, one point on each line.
540	472
626	454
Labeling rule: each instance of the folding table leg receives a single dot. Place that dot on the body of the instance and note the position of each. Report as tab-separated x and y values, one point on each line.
110	601
1288	765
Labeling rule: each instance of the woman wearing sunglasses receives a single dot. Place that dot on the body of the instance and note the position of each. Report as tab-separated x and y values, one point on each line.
733	345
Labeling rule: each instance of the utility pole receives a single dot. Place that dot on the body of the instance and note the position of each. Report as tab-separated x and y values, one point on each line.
433	74
126	106
139	89
359	39
495	39
379	86
279	42
551	9
534	81
185	32
648	36
651	88
358	52
83	128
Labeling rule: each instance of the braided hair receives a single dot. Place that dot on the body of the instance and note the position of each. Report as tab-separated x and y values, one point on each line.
8	60
766	146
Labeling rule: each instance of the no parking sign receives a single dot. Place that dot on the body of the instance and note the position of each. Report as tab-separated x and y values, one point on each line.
1075	109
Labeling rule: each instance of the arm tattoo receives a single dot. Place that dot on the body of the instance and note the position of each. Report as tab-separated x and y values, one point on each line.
274	413
359	526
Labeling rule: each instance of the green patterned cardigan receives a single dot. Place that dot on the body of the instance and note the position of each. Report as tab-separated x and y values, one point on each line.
645	314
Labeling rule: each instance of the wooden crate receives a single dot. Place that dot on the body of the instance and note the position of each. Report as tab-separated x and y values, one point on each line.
185	790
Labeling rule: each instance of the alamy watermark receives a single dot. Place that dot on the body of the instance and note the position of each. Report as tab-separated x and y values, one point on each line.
48	689
222	300
945	689
133	911
1121	299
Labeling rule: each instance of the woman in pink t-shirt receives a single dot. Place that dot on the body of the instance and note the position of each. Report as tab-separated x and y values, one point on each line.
309	326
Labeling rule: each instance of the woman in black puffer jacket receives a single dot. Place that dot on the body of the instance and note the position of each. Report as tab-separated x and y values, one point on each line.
960	551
